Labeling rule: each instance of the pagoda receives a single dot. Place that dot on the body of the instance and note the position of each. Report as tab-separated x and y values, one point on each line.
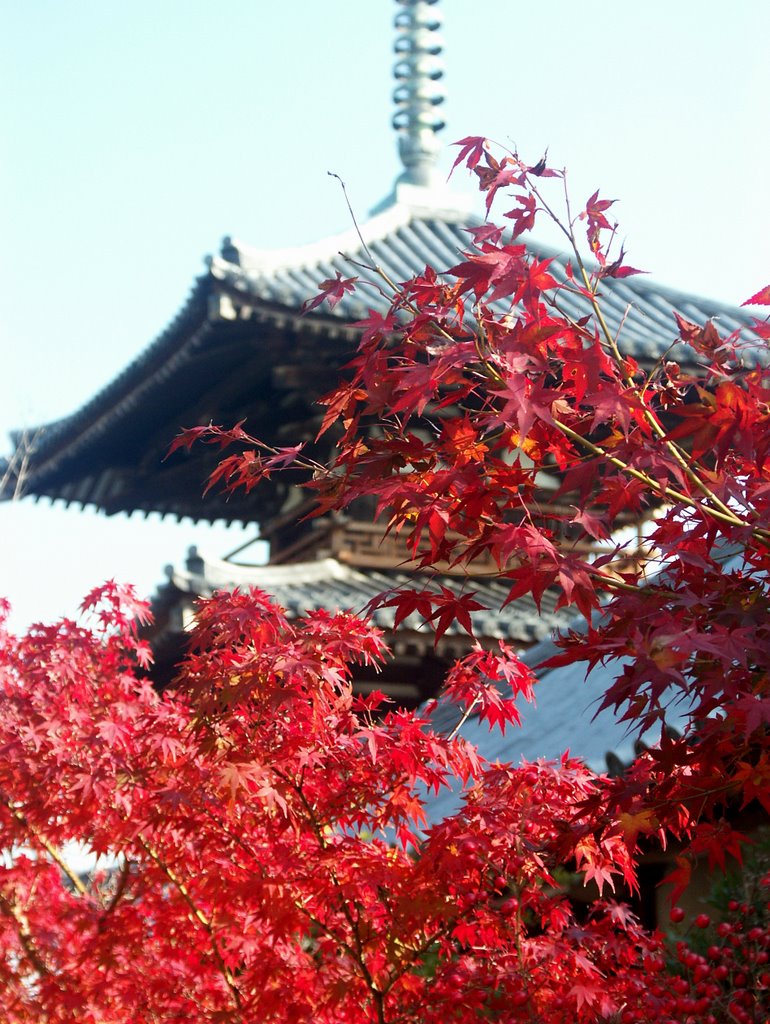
240	348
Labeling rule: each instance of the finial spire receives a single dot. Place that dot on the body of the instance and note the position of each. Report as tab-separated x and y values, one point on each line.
418	71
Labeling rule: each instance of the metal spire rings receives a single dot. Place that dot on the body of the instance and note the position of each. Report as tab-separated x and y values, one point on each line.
418	71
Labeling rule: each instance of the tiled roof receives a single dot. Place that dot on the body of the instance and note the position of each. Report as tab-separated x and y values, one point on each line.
560	719
239	347
405	239
334	586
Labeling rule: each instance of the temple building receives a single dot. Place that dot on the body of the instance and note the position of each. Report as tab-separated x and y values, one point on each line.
241	349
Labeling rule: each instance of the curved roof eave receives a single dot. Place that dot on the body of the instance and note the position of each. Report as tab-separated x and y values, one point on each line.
250	286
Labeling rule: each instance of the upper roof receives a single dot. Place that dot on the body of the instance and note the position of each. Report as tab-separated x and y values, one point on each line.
419	228
240	348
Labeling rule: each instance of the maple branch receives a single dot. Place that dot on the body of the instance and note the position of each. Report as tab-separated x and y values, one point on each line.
17	466
24	933
318	923
120	888
49	848
465	716
364	246
727	516
379	1003
722	512
375	267
665	491
203	920
419	951
299	906
357	954
656	426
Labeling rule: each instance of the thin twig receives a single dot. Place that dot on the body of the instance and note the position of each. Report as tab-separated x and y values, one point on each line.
465	716
657	427
17	466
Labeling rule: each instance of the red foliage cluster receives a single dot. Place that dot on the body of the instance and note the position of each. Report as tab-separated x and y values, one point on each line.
260	842
264	848
479	385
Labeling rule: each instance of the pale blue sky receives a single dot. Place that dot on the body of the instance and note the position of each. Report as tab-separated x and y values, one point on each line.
135	135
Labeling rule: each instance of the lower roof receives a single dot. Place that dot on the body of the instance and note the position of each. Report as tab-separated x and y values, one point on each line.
330	584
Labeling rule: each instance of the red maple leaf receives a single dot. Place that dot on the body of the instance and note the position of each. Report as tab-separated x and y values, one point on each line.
472	149
502	269
760	298
333	290
524	216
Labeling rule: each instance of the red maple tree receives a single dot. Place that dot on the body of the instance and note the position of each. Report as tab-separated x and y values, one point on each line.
261	839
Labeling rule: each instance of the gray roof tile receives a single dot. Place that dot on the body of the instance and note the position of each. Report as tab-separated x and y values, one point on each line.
334	586
405	241
245	294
